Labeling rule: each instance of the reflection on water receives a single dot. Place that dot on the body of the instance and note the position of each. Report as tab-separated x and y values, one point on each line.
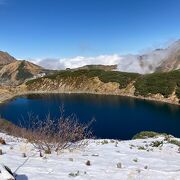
116	117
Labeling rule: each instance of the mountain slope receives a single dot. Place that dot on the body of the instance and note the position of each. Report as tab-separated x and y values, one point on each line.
165	60
98	66
162	60
18	71
165	84
172	61
5	58
157	86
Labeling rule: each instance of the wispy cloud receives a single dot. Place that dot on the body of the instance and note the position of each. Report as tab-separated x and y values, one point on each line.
146	62
128	63
77	61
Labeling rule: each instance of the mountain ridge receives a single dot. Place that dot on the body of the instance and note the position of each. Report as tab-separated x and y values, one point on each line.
19	71
6	58
161	59
158	60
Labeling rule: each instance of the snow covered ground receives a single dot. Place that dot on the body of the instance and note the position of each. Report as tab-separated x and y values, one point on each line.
109	159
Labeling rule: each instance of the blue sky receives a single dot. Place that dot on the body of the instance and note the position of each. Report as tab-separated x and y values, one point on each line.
68	28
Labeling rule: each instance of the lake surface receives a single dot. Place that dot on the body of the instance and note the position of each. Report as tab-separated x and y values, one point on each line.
116	117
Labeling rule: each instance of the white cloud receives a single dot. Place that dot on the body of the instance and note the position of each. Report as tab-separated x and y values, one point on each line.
145	63
128	63
78	61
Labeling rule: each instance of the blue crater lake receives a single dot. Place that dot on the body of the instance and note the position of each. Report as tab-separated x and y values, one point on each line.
116	117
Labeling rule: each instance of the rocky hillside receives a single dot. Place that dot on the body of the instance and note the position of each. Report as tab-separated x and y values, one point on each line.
161	60
167	59
14	72
18	71
159	86
5	58
172	61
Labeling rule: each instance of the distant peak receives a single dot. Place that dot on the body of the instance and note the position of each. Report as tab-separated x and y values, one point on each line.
6	58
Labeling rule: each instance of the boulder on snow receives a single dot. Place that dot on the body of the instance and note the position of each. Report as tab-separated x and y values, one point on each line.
88	163
24	155
6	173
119	165
2	141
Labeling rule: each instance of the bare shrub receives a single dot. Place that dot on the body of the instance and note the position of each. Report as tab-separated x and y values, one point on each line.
59	134
51	134
9	128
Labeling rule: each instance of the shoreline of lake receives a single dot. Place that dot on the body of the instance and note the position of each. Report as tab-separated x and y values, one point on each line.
116	116
12	96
